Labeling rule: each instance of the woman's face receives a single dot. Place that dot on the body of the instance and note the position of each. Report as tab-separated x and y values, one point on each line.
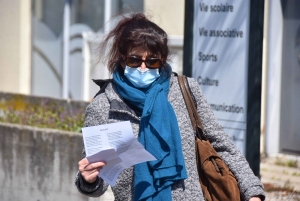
144	55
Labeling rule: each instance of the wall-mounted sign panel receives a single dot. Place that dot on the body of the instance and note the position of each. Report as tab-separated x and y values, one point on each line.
220	61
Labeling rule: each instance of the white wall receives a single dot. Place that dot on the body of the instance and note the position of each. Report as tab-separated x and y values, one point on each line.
168	14
15	46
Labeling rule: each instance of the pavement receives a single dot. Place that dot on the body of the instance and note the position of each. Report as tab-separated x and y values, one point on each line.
281	181
280	176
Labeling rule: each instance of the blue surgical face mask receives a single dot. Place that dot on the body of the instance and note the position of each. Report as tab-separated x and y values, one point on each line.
141	78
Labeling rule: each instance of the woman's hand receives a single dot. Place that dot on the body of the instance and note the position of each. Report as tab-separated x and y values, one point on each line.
89	171
255	199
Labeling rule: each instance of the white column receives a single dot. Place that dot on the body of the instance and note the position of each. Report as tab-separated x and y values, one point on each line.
107	15
86	54
272	128
25	47
66	49
264	81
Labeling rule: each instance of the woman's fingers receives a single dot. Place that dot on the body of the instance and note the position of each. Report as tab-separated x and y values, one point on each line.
91	176
89	171
84	165
92	166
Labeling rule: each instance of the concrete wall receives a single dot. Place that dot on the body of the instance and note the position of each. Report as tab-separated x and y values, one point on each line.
38	164
35	163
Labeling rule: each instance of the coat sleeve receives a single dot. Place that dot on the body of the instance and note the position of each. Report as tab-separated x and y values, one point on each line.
248	183
93	117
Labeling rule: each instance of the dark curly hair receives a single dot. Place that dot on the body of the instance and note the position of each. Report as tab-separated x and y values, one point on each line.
135	31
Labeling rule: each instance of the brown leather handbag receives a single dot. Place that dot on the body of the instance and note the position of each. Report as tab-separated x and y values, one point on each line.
217	181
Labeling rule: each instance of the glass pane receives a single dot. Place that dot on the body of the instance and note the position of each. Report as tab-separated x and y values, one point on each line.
290	93
88	12
131	6
49	12
47	26
47	41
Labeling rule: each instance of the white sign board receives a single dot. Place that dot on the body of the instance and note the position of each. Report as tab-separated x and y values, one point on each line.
220	61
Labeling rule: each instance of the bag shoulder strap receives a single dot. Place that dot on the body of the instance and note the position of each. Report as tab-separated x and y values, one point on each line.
192	110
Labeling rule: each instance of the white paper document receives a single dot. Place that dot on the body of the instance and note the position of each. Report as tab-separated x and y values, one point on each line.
116	145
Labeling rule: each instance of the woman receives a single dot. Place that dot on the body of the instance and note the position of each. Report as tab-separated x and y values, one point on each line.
145	92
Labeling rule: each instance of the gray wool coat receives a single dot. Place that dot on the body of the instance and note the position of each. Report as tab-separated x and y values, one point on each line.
108	107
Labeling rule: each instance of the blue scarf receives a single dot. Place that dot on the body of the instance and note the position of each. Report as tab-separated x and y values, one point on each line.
159	134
